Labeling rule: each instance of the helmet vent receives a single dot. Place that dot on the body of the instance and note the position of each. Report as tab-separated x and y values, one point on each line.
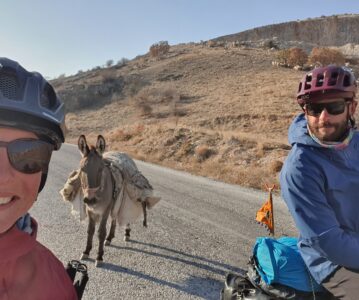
333	79
48	98
9	86
346	81
300	87
308	81
320	80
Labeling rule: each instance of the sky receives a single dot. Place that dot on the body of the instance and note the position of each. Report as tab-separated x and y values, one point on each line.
63	37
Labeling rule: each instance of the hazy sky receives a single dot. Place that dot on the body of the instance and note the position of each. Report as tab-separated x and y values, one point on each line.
63	37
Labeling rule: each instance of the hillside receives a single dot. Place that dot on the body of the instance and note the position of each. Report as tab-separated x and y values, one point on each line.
217	112
337	30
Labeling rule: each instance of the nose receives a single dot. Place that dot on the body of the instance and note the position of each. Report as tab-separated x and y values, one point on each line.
6	170
89	201
324	115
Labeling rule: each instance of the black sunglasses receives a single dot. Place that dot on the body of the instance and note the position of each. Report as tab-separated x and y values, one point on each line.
333	108
28	155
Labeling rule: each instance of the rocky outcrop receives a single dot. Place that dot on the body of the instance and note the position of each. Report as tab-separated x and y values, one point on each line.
80	96
335	30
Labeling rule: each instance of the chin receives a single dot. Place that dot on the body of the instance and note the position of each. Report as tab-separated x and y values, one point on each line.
5	226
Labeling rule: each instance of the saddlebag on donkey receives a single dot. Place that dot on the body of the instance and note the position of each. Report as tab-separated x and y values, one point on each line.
275	271
135	189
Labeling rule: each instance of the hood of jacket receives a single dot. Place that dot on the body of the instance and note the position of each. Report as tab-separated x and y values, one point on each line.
298	132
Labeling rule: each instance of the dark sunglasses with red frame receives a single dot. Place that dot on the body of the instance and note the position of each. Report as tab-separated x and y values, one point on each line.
28	155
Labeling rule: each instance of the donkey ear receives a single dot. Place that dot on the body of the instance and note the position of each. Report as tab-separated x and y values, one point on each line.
82	144
101	144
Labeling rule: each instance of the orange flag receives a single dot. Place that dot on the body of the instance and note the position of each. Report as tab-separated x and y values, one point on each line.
265	213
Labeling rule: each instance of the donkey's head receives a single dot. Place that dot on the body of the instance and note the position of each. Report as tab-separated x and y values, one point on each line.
91	168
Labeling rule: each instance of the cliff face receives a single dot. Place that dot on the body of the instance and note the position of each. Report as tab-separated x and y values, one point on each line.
325	31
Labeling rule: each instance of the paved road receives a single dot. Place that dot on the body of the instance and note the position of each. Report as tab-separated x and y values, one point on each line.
199	231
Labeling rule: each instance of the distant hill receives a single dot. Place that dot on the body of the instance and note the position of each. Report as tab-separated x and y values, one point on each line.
336	30
220	111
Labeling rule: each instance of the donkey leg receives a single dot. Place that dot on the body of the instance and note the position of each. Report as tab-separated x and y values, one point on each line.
90	233
111	234
127	233
101	240
144	209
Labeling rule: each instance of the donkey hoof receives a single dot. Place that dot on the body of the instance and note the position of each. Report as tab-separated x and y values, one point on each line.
126	238
144	224
84	256
98	263
107	243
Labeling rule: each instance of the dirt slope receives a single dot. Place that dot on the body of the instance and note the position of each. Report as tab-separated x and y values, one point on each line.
222	113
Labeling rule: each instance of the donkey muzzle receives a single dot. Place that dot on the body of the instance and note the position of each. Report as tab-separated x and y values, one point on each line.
89	201
90	195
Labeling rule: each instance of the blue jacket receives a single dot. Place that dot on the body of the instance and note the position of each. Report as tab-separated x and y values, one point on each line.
321	189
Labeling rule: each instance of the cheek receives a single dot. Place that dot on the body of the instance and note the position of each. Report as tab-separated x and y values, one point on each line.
312	120
30	186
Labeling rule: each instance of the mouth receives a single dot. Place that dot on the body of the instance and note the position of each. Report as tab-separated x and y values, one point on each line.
6	200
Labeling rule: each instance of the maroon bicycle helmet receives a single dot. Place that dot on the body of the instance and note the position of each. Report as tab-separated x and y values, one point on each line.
326	83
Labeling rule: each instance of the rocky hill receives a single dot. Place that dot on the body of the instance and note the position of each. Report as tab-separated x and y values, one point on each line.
337	30
219	112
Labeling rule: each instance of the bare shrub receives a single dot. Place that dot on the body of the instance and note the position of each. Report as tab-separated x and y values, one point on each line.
352	61
108	77
269	44
292	57
142	100
211	43
169	94
260	150
145	109
122	62
275	166
119	135
297	57
202	152
148	98
283	56
256	177
185	149
109	63
326	56
159	49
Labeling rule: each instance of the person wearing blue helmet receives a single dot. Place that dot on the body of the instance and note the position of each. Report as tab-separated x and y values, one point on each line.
31	127
320	179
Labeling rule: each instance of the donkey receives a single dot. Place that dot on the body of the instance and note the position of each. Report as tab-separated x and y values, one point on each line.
99	195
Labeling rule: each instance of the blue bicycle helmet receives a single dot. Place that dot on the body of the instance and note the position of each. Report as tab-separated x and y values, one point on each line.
29	102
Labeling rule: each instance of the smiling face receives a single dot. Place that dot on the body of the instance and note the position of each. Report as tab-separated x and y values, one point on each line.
18	191
329	127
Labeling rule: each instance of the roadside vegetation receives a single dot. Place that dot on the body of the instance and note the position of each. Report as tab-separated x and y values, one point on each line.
217	111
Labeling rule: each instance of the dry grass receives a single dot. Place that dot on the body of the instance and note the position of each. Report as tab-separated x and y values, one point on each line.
214	112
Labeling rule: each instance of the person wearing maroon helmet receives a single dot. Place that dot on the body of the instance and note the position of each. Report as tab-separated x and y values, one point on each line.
31	127
320	179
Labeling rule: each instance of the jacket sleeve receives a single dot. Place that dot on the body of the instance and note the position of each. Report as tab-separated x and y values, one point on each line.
303	189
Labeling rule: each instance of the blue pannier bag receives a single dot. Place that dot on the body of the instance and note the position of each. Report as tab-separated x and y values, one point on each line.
279	261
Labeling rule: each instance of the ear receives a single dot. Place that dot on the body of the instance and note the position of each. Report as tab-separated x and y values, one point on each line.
100	144
82	144
353	107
